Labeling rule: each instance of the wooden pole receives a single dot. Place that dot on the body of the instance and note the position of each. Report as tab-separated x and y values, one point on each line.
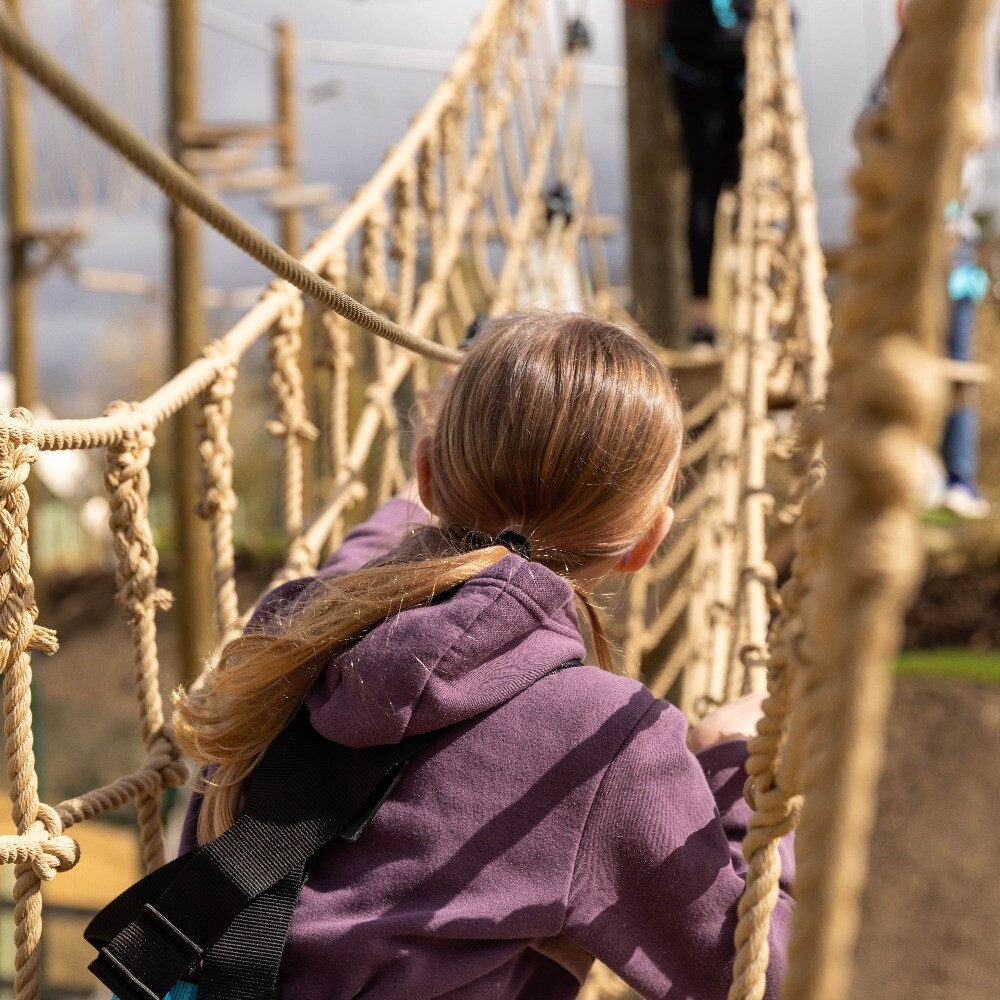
194	565
657	181
288	123
19	175
290	215
18	164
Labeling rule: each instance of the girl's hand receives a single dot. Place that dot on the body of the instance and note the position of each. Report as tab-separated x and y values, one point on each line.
736	720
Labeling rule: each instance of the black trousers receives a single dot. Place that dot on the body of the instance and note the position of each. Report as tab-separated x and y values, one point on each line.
711	117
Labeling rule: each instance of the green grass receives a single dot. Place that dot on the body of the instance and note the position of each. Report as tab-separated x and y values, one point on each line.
962	663
941	518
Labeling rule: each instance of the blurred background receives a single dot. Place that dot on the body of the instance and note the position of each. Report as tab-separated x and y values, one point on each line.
364	68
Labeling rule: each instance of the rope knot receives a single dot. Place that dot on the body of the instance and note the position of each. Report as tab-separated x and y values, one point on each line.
223	385
164	757
49	850
293	426
22	455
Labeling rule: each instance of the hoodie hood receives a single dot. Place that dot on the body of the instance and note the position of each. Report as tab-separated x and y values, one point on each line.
435	665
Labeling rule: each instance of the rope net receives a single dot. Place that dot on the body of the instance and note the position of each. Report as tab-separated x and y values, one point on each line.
460	219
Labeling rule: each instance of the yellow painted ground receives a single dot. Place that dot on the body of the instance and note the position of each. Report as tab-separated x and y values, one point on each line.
109	865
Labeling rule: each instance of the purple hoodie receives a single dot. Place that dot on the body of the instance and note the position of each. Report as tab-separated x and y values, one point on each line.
568	822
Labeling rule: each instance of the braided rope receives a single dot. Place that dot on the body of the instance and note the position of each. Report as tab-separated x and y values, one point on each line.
883	398
218	498
126	479
18	634
291	424
777	806
404	242
752	273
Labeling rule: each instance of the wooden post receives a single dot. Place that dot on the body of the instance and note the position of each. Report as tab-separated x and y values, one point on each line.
657	181
21	290
193	553
290	214
288	122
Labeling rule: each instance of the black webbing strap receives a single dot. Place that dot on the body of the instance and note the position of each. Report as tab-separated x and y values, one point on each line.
151	935
245	961
227	906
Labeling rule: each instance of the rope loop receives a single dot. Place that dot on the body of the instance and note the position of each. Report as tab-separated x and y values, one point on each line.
42	846
286	376
217	495
126	479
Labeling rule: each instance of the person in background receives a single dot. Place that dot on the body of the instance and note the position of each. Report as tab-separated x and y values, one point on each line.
968	284
955	486
703	53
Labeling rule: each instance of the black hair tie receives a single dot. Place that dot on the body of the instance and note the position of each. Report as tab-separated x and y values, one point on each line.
509	538
515	542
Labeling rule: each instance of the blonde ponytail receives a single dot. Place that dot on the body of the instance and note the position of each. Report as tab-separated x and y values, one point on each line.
262	676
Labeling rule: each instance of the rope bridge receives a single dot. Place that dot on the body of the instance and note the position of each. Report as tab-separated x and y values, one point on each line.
460	219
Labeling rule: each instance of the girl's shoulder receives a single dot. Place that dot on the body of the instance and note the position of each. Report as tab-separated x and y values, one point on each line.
617	711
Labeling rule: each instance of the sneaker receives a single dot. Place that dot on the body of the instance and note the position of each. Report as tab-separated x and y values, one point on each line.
704	335
963	500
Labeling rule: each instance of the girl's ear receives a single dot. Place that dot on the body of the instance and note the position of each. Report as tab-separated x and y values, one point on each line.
422	469
643	550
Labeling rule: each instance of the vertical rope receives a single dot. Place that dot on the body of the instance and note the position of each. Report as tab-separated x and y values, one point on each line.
18	635
292	423
428	183
126	479
404	242
454	126
884	398
218	498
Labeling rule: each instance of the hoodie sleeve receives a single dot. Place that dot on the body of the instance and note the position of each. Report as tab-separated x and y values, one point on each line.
373	538
659	870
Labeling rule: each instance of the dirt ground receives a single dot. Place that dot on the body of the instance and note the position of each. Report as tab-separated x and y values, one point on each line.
958	610
931	924
932	907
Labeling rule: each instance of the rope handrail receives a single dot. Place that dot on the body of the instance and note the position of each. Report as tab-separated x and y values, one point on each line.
883	400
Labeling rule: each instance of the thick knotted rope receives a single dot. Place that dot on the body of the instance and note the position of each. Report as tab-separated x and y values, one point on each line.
292	424
126	479
19	634
884	399
218	498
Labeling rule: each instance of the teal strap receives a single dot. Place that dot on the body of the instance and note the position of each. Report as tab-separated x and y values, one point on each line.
181	990
967	281
724	13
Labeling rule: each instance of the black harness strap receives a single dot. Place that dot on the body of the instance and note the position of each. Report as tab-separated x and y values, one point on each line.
149	939
227	905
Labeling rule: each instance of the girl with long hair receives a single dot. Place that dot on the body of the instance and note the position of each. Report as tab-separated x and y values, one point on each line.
560	815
